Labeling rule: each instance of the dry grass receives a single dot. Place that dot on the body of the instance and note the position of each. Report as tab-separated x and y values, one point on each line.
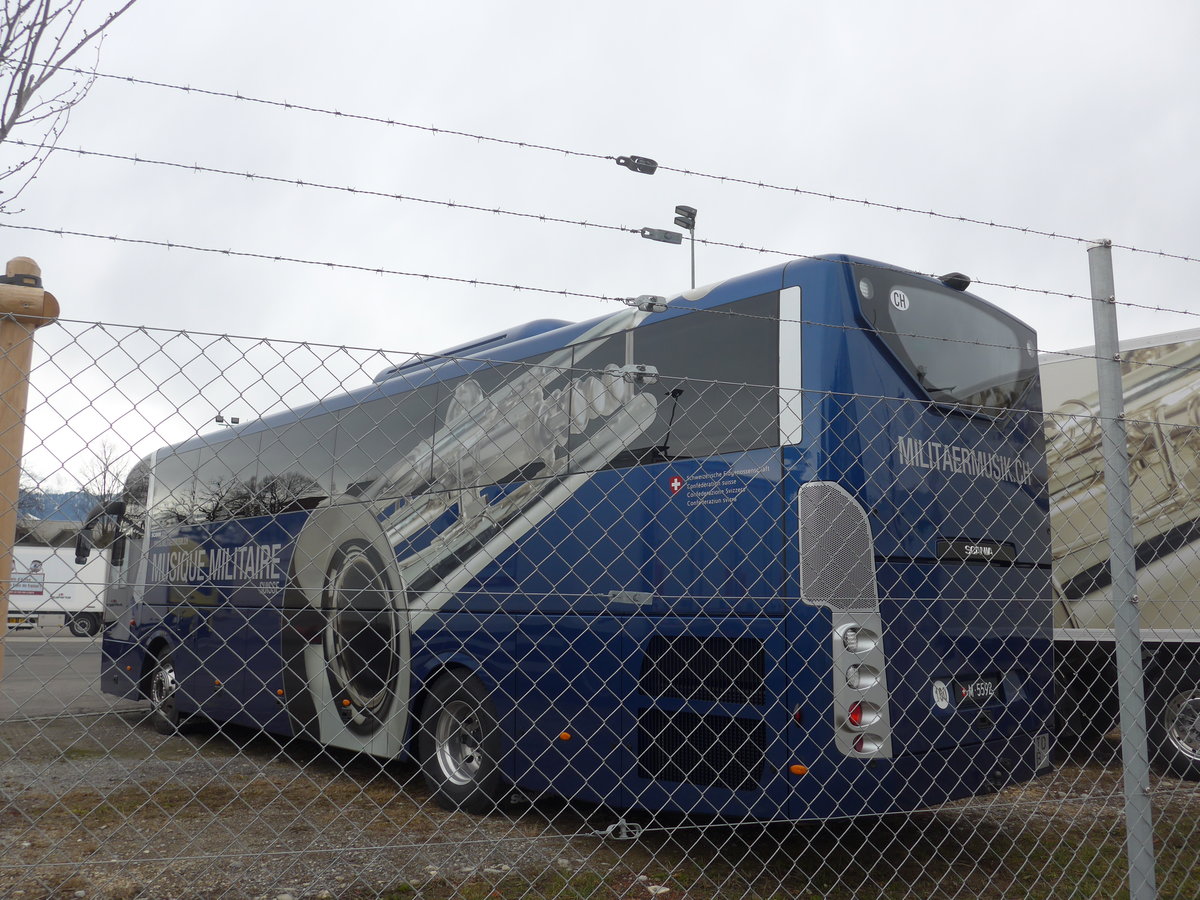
118	812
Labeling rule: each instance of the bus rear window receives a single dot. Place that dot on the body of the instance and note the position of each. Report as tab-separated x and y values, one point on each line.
959	349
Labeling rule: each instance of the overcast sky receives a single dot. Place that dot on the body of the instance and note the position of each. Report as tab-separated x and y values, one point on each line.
1071	117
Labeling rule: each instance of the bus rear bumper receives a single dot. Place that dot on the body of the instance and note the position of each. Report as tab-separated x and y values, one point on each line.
908	783
970	770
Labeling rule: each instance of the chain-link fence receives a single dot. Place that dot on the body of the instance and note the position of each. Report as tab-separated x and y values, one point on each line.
652	605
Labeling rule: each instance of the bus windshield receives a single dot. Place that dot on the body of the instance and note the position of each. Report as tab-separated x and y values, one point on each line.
960	350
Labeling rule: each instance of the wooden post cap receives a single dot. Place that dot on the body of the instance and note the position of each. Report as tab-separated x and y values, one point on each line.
21	294
23	265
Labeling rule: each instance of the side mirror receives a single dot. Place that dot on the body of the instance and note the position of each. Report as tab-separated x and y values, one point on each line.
83	545
118	551
84	542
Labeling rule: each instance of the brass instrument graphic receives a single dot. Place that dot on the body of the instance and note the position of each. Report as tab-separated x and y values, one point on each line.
1162	410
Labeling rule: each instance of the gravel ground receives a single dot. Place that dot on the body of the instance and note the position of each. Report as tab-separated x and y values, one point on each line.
104	807
109	807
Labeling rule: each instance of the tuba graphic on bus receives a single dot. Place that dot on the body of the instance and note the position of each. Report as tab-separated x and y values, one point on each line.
379	561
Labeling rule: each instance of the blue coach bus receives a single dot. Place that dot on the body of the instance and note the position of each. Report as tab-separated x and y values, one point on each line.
775	548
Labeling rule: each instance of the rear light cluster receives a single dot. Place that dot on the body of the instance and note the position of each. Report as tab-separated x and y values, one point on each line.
859	649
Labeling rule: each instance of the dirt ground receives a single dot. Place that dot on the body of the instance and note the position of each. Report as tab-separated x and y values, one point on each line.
104	807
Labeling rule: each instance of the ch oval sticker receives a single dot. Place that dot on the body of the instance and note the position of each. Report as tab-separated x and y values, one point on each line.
900	299
941	695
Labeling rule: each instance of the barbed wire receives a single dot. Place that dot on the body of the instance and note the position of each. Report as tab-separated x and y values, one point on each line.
542	217
729	179
338	114
345	189
272	257
475	282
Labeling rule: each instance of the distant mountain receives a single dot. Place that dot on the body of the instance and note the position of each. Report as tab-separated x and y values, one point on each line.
69	506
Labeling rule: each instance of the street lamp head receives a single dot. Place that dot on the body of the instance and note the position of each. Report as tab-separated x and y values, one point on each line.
662	235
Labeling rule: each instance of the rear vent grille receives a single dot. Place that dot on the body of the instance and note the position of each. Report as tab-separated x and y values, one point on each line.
709	751
717	669
837	565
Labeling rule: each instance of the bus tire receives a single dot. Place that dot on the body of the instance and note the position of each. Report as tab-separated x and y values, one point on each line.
84	625
162	688
1173	721
459	744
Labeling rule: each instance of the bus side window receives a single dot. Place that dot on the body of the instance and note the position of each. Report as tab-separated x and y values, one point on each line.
497	424
383	446
174	499
295	465
225	479
717	378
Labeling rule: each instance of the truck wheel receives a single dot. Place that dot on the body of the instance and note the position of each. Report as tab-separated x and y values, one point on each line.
84	625
1173	709
163	688
459	745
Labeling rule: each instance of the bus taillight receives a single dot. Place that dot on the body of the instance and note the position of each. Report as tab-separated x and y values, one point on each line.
862	714
855	718
867	743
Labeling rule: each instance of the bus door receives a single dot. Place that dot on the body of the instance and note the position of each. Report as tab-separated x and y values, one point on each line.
121	575
205	624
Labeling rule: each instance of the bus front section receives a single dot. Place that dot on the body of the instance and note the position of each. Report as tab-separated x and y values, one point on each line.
917	480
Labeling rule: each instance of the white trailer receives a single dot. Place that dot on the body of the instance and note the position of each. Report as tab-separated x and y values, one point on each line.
1161	382
47	588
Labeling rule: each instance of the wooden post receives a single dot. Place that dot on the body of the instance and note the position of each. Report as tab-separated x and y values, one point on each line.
24	307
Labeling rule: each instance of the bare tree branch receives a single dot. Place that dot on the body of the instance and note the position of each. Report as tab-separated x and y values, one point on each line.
38	38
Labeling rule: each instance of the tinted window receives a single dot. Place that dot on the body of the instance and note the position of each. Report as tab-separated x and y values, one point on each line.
959	349
719	370
226	480
295	465
611	414
173	500
136	497
382	446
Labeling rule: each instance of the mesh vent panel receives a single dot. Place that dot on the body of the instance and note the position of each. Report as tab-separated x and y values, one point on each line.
836	553
715	668
702	750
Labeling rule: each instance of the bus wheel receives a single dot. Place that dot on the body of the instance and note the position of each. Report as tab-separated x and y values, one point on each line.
84	625
459	745
163	687
1174	722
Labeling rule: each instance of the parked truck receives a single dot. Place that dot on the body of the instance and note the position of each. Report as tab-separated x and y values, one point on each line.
49	589
1161	381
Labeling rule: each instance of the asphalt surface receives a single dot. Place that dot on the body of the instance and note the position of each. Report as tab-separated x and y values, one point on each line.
49	672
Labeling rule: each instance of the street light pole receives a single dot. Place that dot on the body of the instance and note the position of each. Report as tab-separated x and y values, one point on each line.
685	217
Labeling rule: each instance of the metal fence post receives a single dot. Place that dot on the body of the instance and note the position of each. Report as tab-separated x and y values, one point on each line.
1131	693
24	307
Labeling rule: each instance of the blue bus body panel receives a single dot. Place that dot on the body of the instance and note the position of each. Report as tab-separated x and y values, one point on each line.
644	642
217	590
626	541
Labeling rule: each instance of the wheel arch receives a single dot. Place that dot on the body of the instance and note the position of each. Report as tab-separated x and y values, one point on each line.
153	653
427	673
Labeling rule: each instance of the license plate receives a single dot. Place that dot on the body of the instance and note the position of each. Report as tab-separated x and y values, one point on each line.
978	691
1041	752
